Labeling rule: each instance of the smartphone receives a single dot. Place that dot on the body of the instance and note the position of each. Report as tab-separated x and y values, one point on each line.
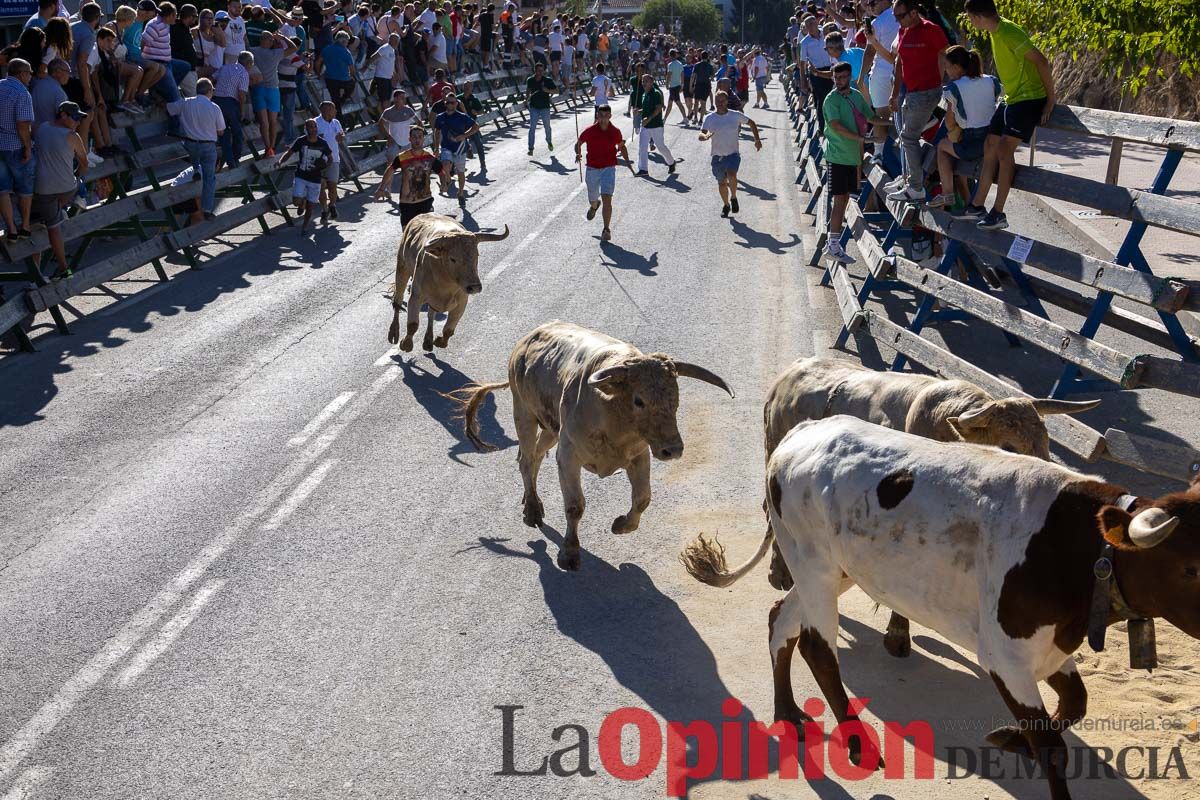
340	18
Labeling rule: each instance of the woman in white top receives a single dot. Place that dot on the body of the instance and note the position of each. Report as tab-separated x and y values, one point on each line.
210	44
970	100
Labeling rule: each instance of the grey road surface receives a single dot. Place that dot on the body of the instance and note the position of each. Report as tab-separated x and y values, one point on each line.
245	550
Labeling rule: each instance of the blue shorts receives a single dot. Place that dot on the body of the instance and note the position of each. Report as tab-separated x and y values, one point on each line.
723	164
263	98
760	83
600	181
15	176
970	146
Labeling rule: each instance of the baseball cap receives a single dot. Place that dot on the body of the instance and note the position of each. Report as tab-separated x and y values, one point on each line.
147	5
222	15
71	109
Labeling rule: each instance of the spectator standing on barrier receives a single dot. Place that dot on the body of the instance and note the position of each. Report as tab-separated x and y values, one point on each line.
235	31
18	164
815	64
539	88
79	85
384	60
62	161
416	55
653	108
47	10
232	84
848	120
604	141
201	123
416	166
919	66
487	38
49	93
331	130
395	122
313	156
265	98
338	64
290	67
210	41
1029	99
723	127
879	61
452	128
438	57
473	108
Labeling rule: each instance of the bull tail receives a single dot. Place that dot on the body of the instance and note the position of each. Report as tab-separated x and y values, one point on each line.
394	328
467	400
704	559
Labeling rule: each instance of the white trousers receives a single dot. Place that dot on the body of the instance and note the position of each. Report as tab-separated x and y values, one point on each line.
645	137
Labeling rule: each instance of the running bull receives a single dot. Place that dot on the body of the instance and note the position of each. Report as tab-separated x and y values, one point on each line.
1012	558
442	258
938	409
604	403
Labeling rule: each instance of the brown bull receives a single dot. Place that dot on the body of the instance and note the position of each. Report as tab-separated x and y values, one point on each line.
936	408
442	258
604	403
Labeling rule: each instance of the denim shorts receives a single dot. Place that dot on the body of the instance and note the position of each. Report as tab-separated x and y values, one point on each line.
458	161
970	146
309	190
600	181
15	176
723	164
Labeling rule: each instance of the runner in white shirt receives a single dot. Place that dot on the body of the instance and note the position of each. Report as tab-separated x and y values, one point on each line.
330	129
723	128
601	86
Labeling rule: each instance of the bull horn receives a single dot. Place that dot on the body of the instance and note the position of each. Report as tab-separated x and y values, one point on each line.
1045	408
976	417
492	237
608	373
687	370
1151	527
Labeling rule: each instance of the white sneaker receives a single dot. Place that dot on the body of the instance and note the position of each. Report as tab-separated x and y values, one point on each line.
835	251
895	184
94	160
908	195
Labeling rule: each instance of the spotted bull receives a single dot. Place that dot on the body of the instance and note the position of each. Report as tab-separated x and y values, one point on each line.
604	403
1002	554
442	258
936	408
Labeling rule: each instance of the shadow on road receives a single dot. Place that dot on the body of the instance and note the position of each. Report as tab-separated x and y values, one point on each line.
621	258
428	389
645	639
756	240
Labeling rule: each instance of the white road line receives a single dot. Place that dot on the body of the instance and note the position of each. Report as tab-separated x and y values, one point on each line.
169	633
26	782
299	495
335	405
54	710
386	358
535	233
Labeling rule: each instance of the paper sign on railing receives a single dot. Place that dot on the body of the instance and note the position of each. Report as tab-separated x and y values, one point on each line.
1018	251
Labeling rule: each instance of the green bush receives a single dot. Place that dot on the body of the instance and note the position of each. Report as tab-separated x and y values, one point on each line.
700	19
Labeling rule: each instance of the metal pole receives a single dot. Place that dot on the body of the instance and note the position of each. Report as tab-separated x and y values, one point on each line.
743	23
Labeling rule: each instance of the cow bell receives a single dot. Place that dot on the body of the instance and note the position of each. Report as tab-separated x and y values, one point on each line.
1142	651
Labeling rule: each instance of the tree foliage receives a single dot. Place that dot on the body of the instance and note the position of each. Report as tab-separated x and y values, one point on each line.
766	21
1132	36
700	19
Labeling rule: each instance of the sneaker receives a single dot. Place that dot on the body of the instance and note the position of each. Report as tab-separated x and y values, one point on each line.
733	205
908	195
333	211
641	173
531	151
994	221
550	147
79	203
209	216
937	202
652	147
725	210
94	159
605	235
462	200
591	212
270	151
22	233
896	183
835	251
671	169
765	105
970	212
324	217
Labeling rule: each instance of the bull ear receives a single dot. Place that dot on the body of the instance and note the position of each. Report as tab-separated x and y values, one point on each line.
1114	525
609	377
975	418
686	370
1148	528
1045	408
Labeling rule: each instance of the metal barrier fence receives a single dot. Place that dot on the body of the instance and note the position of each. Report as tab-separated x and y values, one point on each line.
955	286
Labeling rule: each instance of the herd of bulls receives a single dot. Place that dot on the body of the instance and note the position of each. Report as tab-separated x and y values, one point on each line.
936	499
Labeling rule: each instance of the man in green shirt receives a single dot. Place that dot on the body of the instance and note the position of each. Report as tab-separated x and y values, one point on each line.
653	107
845	132
538	90
1029	98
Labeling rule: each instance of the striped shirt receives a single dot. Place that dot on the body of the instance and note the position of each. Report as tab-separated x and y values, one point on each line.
156	41
231	79
16	105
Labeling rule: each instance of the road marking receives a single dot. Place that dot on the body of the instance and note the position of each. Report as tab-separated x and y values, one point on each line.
535	233
335	405
299	495
26	782
54	710
386	358
169	633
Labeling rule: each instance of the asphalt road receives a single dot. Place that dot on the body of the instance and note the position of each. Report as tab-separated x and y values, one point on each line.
246	551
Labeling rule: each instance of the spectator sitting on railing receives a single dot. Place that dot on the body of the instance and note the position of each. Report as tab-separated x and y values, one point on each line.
337	64
156	49
330	129
314	158
18	164
62	161
81	85
201	123
129	26
1028	101
970	100
111	72
264	96
231	85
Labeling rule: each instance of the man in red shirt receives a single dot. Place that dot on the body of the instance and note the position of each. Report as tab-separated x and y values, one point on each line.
604	141
919	65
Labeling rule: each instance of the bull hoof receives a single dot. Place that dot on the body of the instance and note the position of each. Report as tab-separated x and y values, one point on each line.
622	524
534	513
898	645
1009	739
568	560
427	344
854	747
441	341
795	716
406	344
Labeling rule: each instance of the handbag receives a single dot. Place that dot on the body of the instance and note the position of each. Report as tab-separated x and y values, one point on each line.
860	122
